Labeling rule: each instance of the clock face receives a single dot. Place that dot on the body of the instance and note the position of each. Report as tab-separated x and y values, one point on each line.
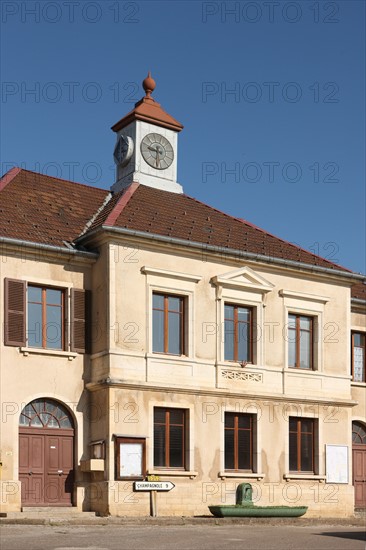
123	150
157	151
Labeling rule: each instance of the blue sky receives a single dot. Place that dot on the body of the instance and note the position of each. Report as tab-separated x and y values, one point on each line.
270	93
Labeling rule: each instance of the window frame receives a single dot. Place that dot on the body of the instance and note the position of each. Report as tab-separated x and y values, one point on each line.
236	326
236	429
44	305
298	330
76	317
185	439
299	433
363	336
182	317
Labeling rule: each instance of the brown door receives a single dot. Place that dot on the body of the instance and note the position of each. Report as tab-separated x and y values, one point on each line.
31	467
59	476
46	466
359	475
46	454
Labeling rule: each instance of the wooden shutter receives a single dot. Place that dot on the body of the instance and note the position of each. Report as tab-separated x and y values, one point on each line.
15	309
80	337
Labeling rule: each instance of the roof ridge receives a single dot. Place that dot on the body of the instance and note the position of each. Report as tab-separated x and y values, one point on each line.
121	203
56	178
96	214
250	224
9	176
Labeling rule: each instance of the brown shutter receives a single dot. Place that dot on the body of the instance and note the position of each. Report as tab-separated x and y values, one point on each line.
15	308
80	339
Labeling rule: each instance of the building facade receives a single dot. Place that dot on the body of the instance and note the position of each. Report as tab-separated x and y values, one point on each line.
148	334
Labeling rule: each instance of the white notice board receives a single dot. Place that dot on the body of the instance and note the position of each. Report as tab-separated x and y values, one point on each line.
130	459
336	461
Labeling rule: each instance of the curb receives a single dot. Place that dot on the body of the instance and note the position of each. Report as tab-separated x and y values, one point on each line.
184	521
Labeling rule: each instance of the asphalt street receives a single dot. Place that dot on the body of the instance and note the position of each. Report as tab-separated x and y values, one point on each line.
185	537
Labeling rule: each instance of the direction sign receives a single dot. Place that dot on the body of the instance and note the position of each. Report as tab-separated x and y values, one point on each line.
153	485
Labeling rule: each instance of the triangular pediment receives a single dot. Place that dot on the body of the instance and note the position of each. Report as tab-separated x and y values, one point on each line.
244	278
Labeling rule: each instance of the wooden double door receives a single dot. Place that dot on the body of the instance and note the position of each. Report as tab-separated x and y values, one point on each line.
359	474
46	466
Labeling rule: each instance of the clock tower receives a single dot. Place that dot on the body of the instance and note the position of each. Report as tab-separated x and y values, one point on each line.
147	145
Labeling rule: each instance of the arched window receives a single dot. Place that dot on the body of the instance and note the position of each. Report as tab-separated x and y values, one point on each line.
45	413
358	433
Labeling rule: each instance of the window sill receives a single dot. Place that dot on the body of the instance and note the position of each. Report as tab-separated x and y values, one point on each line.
359	384
173	473
310	476
54	352
177	355
301	369
244	475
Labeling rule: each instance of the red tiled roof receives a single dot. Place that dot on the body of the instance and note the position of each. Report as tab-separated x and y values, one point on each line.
148	110
180	216
358	291
43	209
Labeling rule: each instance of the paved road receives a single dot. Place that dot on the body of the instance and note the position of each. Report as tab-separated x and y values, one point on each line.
185	537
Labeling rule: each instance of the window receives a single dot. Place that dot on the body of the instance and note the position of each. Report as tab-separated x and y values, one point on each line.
169	438
168	324
238	441
45	413
130	457
46	318
300	341
301	444
238	333
35	316
358	433
358	357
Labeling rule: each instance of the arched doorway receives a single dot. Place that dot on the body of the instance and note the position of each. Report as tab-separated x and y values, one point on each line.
46	454
359	463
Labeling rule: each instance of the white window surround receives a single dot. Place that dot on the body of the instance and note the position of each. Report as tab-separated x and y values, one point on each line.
303	296
171	274
242	287
42	351
241	279
319	473
257	320
189	408
168	282
66	288
311	306
305	476
241	475
172	473
257	443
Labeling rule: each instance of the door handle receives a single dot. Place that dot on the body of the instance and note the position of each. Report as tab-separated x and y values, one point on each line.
60	472
30	472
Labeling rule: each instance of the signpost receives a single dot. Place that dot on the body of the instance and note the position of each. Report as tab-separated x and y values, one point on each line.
153	487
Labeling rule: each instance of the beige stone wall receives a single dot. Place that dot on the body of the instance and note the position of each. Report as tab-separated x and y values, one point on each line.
205	482
124	379
130	320
31	374
210	385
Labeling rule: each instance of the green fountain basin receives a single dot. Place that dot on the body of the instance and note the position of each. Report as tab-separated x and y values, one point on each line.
244	507
239	511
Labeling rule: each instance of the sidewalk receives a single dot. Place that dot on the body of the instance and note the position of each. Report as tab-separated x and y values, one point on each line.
88	519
